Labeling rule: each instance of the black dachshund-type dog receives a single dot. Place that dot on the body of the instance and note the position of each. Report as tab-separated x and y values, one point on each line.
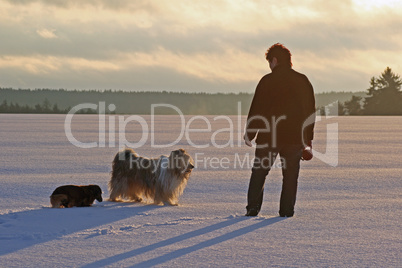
68	196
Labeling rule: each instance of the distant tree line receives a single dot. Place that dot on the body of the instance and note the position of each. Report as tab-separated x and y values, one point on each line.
127	102
384	97
45	108
37	101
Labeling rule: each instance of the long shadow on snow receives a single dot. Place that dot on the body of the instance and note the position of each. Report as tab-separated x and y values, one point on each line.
27	228
184	251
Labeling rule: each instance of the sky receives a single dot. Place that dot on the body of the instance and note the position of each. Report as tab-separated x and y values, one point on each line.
195	46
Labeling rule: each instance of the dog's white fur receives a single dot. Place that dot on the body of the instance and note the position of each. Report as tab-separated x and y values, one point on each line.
160	179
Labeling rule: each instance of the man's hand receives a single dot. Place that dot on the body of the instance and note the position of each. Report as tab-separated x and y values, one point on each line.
248	143
307	153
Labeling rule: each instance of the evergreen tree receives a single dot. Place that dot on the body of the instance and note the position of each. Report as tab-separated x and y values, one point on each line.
384	95
4	107
353	106
46	106
55	109
38	109
341	108
12	108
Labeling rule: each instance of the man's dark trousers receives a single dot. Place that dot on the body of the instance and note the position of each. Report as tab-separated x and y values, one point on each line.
264	159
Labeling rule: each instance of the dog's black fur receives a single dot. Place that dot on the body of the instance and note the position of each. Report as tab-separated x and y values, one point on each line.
68	196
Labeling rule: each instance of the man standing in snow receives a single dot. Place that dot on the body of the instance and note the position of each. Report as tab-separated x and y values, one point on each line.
282	116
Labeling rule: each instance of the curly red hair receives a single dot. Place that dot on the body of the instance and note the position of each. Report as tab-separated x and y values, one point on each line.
281	53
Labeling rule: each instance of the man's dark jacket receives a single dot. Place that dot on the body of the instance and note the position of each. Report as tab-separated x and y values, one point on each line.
287	97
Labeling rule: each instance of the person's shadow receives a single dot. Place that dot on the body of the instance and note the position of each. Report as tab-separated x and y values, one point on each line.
19	230
184	251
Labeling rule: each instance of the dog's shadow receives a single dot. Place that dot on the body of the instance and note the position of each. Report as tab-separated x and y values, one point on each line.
19	230
161	259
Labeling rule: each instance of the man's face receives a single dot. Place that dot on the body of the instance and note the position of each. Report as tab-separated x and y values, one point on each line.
273	63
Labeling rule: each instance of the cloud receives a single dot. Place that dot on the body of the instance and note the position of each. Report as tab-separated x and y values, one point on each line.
47	34
49	64
217	44
67	4
212	67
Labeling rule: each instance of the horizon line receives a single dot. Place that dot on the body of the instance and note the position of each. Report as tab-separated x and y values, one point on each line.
155	91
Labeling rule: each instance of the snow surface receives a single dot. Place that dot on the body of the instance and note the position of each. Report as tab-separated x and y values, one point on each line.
346	216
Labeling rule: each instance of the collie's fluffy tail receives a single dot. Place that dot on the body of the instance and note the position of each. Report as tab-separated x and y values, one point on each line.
121	168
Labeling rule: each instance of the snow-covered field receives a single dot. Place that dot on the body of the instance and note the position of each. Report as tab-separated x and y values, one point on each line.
346	216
